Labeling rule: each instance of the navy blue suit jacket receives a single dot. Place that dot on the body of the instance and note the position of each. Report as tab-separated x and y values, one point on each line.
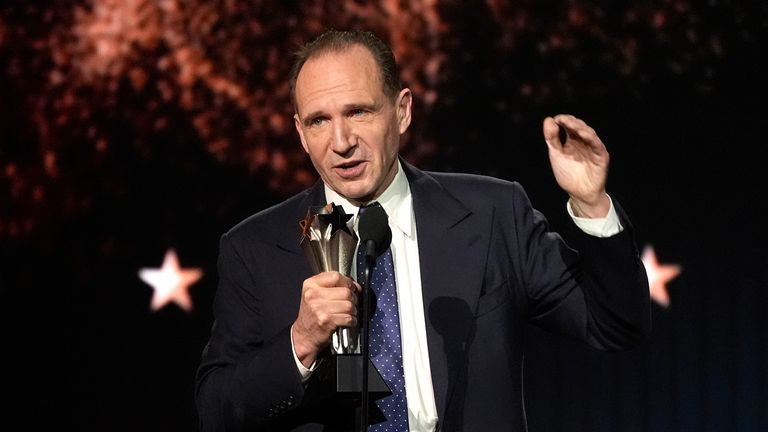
489	266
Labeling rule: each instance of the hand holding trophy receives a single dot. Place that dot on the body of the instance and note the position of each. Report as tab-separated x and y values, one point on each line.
329	245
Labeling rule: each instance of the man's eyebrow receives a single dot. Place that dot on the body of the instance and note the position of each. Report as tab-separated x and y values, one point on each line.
308	118
358	105
348	107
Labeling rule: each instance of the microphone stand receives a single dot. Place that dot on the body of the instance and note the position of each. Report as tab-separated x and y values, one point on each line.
370	262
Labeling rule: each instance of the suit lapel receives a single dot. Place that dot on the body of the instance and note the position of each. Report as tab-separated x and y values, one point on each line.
452	260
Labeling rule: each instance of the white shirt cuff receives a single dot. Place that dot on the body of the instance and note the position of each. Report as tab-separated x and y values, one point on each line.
598	227
305	373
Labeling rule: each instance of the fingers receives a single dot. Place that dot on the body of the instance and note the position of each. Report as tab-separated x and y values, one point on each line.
570	122
330	293
332	279
326	319
328	301
551	133
575	128
326	297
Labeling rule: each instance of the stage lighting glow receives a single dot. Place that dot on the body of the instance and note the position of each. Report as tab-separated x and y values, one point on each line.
659	275
171	283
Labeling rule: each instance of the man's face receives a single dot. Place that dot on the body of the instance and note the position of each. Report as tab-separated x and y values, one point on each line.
349	127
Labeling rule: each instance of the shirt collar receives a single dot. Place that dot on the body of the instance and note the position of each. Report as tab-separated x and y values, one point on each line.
396	200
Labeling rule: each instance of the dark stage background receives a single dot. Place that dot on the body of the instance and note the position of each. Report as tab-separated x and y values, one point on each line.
128	128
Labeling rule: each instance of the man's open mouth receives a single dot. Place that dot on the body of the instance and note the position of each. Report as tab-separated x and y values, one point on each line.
349	169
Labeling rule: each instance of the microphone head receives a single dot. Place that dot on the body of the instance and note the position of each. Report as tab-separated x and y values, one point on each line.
373	226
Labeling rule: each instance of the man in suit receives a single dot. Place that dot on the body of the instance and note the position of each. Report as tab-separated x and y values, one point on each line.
473	264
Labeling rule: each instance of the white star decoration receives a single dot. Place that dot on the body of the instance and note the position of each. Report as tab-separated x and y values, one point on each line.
170	282
658	276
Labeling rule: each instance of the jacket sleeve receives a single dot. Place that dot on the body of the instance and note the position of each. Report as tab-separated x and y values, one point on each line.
244	379
597	291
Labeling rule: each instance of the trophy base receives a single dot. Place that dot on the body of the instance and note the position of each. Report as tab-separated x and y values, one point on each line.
336	386
340	375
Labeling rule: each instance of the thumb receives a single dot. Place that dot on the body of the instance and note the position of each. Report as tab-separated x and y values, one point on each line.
551	133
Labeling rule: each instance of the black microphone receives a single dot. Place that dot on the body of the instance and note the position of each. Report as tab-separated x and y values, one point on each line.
375	234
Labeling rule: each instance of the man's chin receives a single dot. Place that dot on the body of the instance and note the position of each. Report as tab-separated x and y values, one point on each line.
355	195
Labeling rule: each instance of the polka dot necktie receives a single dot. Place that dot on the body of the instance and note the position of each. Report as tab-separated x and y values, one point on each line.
384	342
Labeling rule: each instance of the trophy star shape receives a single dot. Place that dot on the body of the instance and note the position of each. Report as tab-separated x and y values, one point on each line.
337	219
329	245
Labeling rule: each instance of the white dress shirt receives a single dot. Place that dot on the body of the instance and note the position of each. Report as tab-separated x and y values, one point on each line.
398	203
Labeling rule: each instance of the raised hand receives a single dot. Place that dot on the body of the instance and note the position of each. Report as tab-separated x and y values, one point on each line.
579	162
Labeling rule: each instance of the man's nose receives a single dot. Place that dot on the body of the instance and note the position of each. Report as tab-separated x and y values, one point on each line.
344	138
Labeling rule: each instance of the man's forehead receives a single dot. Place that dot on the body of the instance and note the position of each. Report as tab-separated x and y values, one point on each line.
351	71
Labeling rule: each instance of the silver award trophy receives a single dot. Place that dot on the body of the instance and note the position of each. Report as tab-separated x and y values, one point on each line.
329	245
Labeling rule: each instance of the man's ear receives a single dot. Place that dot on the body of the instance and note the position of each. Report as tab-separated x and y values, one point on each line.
297	124
403	104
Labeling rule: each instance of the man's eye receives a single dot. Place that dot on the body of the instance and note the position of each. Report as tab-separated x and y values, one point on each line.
317	121
358	112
